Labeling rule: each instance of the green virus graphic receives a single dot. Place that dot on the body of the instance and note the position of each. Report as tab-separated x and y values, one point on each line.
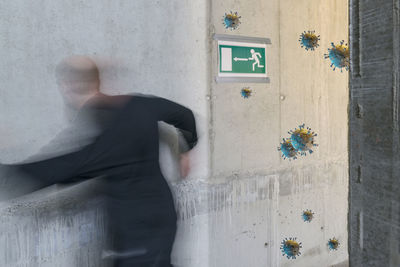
302	139
333	244
287	149
339	55
231	20
246	92
309	40
307	215
290	248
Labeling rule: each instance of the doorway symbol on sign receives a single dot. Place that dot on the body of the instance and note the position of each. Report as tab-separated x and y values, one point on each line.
254	56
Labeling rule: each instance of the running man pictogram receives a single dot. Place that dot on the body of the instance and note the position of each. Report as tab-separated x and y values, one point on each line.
256	56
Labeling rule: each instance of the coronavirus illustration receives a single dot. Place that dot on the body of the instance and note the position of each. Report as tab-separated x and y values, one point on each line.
290	248
302	139
287	149
309	40
231	20
339	55
307	215
333	244
246	92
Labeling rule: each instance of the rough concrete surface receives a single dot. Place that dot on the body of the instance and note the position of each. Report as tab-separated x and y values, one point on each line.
246	132
374	134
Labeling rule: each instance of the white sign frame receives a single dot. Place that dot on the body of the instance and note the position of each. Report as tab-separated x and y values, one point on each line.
241	41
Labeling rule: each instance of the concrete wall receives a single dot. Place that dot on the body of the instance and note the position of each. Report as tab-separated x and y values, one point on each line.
54	227
374	134
246	132
151	47
135	52
242	199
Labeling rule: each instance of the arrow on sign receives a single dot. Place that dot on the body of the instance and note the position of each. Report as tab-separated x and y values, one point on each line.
240	59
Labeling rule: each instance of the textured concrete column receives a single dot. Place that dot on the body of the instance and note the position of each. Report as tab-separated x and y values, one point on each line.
374	133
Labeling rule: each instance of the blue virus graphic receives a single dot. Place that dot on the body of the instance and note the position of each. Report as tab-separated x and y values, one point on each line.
246	92
307	215
309	40
287	149
290	248
333	244
339	55
300	142
231	20
302	139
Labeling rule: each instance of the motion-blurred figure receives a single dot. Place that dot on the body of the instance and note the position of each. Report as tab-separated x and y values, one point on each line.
120	143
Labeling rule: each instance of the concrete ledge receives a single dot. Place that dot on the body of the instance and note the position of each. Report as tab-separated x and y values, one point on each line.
61	225
52	197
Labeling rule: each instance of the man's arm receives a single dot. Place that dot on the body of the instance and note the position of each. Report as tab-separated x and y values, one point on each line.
54	170
183	119
180	117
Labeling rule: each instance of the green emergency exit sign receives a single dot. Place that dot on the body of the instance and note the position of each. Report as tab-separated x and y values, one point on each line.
242	59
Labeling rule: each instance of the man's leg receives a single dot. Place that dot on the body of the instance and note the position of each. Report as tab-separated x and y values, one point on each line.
152	250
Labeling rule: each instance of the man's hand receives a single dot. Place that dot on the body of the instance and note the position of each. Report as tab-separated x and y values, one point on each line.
185	164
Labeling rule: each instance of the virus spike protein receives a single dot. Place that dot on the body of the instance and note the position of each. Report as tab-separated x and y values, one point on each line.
302	139
290	248
246	92
333	244
231	20
339	55
307	215
287	149
300	142
309	40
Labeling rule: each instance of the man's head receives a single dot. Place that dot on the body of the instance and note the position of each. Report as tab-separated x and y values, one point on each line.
78	79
